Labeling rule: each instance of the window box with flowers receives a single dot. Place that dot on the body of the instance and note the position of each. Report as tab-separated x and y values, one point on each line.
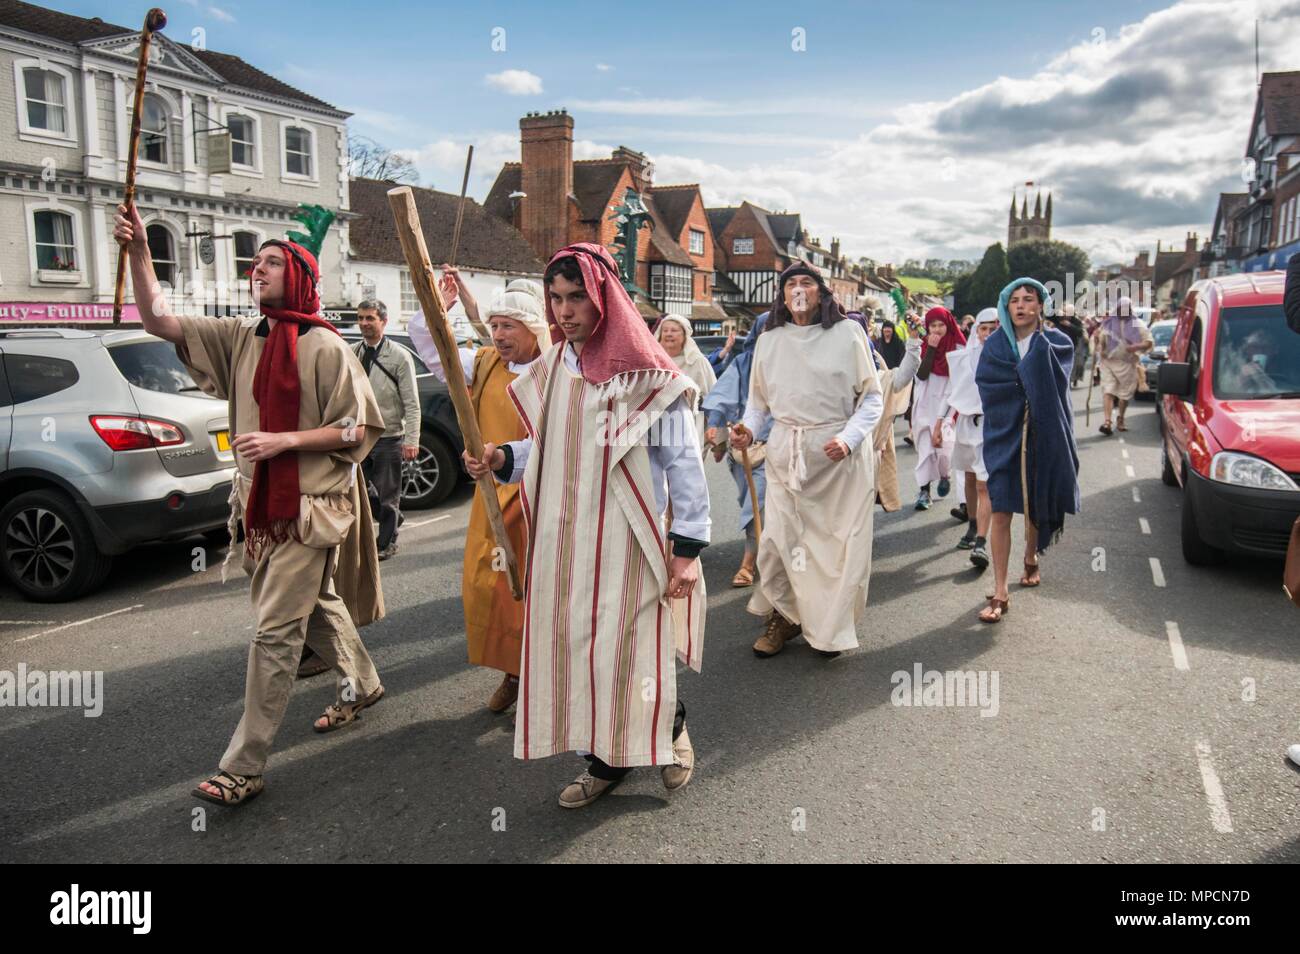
55	247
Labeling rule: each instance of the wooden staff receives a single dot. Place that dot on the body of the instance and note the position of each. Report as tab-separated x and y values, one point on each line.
407	217
154	21
455	241
749	480
1092	374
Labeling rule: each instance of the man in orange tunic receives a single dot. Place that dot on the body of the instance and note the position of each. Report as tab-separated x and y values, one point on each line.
494	620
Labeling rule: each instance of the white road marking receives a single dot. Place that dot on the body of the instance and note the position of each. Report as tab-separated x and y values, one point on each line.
1176	645
1124	453
1121	440
1157	574
1128	469
80	622
1219	816
1146	527
28	622
412	526
1137	496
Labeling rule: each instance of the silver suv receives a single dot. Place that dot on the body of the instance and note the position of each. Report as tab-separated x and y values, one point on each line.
105	443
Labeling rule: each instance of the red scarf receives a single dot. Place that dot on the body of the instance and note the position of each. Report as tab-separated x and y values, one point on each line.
621	344
951	340
272	512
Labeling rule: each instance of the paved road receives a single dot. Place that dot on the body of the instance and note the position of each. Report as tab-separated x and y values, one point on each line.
1101	748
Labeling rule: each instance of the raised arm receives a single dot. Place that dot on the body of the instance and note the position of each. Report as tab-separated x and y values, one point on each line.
149	298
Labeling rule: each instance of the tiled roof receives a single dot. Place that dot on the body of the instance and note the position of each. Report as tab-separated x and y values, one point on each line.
485	241
674	204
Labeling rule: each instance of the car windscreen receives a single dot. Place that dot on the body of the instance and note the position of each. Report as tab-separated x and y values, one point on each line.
154	366
1162	335
1256	355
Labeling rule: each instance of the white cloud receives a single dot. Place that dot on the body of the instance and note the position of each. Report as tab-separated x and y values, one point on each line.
218	14
1134	136
515	82
604	67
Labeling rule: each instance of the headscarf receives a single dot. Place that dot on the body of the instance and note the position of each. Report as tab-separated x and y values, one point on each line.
692	360
523	301
829	310
964	396
1004	316
621	353
273	501
893	349
952	338
1123	328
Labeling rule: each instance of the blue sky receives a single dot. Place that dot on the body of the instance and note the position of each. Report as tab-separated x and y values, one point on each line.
901	128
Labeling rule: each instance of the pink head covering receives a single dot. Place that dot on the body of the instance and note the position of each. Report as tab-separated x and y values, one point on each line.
621	346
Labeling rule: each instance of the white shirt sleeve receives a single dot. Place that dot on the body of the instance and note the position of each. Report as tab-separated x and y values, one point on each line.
863	422
678	459
521	450
906	369
422	341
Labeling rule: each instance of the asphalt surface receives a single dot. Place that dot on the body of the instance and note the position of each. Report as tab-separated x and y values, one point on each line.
1100	750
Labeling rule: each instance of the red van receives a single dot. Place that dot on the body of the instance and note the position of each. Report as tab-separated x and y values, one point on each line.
1229	402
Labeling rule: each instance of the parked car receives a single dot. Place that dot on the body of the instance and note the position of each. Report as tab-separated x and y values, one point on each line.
1162	332
434	474
106	443
1230	418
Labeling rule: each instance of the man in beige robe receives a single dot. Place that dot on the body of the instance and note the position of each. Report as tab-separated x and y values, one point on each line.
1121	340
292	560
814	375
896	392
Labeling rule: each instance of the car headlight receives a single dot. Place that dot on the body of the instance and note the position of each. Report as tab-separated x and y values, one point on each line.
1242	470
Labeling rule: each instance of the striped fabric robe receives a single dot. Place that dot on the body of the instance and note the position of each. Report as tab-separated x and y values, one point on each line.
597	671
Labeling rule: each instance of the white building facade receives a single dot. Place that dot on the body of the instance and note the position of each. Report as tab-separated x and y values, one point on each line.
66	95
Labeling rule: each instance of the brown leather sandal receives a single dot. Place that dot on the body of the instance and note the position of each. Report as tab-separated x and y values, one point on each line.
336	716
996	609
744	577
1031	570
235	789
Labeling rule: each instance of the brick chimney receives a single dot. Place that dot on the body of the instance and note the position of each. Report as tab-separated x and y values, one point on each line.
835	249
1190	248
546	149
639	165
1144	260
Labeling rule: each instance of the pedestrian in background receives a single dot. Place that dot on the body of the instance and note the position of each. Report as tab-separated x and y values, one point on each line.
391	371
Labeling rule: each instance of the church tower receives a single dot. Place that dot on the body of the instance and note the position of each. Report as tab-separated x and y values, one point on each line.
1024	227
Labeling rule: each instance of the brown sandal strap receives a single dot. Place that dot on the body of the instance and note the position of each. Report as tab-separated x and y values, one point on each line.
1000	607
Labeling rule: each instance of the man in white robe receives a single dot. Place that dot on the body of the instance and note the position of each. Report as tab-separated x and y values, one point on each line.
814	375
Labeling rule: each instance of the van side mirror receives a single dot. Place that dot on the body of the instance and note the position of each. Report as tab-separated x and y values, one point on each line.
1175	379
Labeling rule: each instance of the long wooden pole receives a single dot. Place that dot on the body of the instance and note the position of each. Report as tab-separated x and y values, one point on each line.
753	490
154	20
460	209
407	217
479	327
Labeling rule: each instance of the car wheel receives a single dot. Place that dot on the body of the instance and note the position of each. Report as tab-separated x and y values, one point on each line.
431	477
47	550
1195	550
1167	475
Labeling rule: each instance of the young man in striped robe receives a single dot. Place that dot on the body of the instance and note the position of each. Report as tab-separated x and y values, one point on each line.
613	594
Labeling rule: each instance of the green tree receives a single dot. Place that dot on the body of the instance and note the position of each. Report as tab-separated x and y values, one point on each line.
980	288
1048	262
